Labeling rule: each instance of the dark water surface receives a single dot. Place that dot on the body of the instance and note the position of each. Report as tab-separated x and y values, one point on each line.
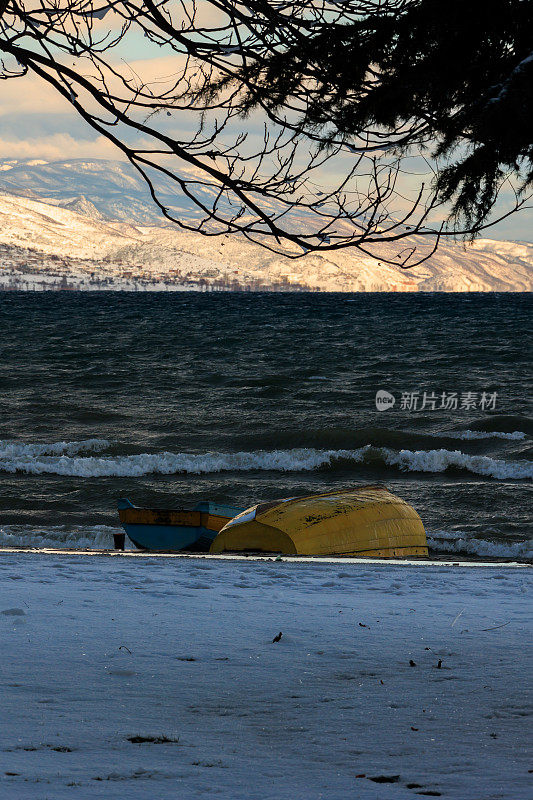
246	397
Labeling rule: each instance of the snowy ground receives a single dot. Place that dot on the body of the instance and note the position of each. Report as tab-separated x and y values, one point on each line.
96	651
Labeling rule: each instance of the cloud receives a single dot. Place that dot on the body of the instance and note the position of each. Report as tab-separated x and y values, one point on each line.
37	122
58	147
30	95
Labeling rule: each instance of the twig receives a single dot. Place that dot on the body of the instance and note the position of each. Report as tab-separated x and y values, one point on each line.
457	617
496	626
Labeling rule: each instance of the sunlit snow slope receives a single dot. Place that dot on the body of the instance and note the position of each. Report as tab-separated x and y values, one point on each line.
92	221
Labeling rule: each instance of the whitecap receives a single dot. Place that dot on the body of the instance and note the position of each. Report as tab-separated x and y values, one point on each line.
460	542
294	460
93	537
441	460
11	449
467	435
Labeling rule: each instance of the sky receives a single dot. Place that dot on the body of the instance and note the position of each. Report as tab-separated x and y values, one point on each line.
37	123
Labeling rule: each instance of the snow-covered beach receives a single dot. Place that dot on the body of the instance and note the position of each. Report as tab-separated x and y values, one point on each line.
146	677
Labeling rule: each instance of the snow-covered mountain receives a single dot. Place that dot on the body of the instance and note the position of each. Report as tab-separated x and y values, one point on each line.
90	224
82	206
113	187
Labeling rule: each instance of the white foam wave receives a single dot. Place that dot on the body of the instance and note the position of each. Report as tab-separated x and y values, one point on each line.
94	537
467	435
172	463
10	449
100	537
460	542
295	460
441	460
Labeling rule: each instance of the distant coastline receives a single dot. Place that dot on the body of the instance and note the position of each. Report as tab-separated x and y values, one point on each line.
11	281
89	226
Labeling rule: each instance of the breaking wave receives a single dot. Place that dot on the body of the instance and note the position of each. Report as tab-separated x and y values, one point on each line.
20	450
441	460
467	435
459	542
333	438
100	537
95	537
61	459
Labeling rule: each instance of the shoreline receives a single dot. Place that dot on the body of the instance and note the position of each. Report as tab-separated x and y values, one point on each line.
422	562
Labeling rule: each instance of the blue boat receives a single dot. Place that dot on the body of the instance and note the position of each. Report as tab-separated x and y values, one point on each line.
173	530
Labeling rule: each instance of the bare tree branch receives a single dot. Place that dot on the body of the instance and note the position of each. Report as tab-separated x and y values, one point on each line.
249	158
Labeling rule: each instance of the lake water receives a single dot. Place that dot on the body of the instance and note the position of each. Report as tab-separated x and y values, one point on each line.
169	399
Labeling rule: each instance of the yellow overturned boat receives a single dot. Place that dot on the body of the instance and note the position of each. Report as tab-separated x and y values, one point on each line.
362	521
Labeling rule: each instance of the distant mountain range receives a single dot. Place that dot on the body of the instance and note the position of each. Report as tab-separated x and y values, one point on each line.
113	187
92	224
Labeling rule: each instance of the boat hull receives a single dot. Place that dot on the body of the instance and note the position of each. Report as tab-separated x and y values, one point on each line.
174	530
364	521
